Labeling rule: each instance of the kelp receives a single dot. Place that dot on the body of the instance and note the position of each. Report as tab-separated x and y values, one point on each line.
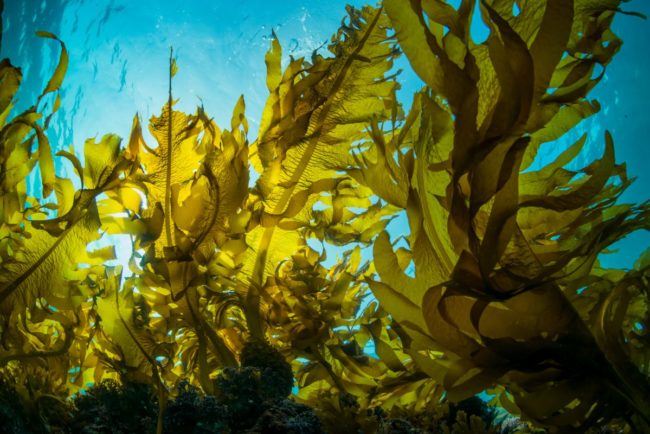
39	250
500	251
309	127
497	286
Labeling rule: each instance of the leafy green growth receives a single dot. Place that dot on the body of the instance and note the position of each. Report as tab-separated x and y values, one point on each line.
506	294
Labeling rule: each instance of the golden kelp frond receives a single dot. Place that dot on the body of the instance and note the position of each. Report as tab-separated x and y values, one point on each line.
191	227
497	285
197	175
44	242
348	214
36	250
315	113
326	322
125	321
503	248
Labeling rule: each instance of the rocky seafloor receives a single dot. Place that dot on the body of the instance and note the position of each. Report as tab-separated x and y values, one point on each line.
253	398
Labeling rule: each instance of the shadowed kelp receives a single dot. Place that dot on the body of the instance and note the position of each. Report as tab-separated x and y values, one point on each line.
507	293
500	253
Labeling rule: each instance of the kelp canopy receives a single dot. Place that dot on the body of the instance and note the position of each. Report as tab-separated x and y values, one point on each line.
496	287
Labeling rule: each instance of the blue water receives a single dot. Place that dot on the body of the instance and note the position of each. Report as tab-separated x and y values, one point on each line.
118	67
119	52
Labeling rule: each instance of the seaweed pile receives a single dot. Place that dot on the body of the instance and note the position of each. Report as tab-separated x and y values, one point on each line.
496	288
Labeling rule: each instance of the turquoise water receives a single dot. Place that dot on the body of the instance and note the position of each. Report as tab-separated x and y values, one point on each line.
118	66
119	52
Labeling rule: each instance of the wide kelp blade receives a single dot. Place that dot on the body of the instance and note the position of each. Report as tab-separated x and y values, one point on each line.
44	242
78	221
516	241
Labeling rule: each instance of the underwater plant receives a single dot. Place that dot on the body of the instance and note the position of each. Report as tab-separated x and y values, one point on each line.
500	252
496	287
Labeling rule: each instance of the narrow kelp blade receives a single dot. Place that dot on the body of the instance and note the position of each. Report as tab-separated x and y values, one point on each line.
315	113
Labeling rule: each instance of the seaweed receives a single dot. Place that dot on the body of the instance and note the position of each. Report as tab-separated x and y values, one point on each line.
228	304
499	251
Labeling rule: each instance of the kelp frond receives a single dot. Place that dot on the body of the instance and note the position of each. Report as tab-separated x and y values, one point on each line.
496	286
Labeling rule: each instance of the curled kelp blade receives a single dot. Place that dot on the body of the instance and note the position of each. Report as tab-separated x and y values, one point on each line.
315	113
513	242
47	268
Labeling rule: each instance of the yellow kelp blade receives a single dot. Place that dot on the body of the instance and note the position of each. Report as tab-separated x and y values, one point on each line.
517	240
308	127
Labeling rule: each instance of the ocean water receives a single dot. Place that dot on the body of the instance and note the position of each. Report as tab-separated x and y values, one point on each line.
119	51
119	54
